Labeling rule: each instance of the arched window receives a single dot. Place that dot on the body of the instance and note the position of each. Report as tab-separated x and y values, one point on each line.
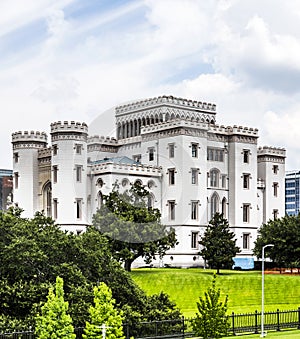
150	202
214	178
150	184
125	182
47	199
138	182
224	204
99	182
214	204
99	200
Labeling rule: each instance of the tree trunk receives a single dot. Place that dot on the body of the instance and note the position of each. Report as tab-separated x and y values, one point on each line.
127	265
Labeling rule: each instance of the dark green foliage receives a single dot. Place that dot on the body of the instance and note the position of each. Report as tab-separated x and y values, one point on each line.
219	245
211	320
132	229
284	234
104	316
54	322
33	252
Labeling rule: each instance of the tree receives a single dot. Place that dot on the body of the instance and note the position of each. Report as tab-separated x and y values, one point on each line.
211	320
131	227
104	316
35	251
219	245
55	323
284	234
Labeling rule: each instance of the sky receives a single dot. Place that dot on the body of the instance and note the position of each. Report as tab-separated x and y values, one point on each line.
75	60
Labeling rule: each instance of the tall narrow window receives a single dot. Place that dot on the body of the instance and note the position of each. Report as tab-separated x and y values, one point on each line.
194	172
246	181
194	240
223	178
78	148
171	173
55	170
275	169
224	204
78	208
275	214
246	156
78	173
214	204
214	178
171	204
150	201
55	203
47	199
194	210
275	188
151	154
171	150
99	200
194	150
246	212
246	241
54	149
16	180
16	157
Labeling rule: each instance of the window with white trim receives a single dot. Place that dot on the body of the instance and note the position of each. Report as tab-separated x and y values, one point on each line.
171	204
194	210
195	240
246	241
246	212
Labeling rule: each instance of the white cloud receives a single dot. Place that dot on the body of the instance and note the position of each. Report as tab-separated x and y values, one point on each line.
236	54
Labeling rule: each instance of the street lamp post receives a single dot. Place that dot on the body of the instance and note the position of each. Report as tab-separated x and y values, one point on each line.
262	334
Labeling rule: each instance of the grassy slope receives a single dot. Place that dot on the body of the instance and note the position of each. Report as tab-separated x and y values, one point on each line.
243	288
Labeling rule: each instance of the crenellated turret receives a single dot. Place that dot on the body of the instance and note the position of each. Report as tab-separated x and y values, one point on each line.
26	146
69	173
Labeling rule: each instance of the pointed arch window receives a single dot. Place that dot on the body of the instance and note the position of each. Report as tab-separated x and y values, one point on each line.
47	199
214	204
224	204
99	200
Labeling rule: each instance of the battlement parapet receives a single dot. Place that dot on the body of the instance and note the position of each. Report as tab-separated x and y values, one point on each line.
96	139
29	136
127	169
44	152
230	130
66	126
268	150
164	100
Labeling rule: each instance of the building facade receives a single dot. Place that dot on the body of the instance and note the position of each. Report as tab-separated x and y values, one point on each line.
292	193
192	166
6	188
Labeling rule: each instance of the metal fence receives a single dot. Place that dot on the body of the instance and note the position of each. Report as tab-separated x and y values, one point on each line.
182	328
251	322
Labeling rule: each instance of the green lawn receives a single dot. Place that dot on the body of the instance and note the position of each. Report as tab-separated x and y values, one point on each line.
184	286
284	334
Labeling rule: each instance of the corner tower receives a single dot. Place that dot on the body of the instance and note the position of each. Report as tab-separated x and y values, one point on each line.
25	169
69	174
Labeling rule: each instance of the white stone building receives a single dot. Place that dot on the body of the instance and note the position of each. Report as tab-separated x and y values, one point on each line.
192	166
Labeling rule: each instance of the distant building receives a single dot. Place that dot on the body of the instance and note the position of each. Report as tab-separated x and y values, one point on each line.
192	166
6	188
292	192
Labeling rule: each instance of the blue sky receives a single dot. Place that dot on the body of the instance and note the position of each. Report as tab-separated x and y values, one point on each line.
75	59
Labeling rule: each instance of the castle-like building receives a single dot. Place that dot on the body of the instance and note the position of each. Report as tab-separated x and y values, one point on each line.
192	166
